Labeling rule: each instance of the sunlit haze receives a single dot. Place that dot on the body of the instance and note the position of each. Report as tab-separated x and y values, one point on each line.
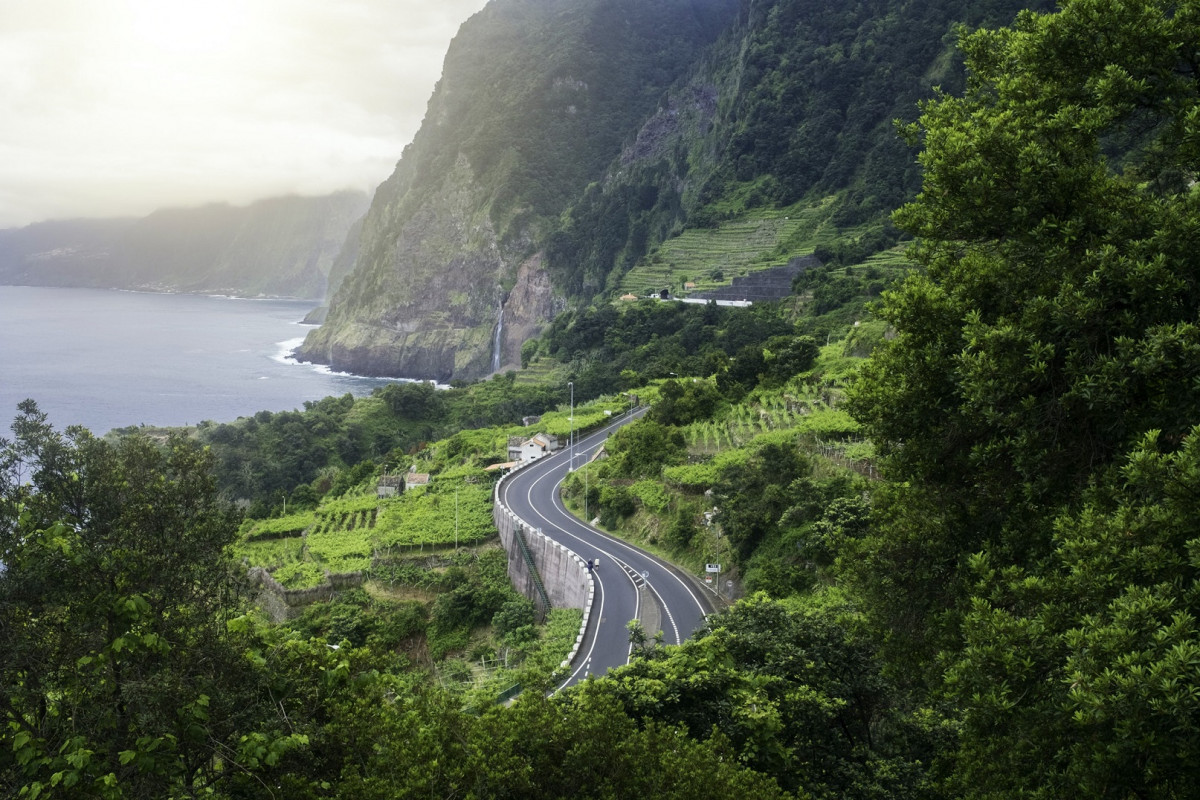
119	107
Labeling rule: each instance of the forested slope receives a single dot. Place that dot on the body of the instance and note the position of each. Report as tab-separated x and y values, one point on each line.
967	522
535	100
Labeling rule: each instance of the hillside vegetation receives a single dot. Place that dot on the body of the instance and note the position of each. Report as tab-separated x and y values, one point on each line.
578	151
957	503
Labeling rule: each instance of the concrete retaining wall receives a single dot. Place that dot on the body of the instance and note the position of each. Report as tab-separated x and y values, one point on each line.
565	577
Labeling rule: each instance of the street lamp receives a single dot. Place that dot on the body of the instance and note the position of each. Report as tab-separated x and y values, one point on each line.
571	435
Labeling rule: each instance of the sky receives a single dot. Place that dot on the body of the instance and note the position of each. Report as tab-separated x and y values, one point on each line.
119	107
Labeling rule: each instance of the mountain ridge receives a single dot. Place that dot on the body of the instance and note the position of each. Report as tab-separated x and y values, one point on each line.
281	246
535	101
744	109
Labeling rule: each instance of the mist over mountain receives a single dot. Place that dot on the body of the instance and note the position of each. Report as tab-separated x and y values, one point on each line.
535	100
284	246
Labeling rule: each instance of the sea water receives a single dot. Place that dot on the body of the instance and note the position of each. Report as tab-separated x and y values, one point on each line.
108	359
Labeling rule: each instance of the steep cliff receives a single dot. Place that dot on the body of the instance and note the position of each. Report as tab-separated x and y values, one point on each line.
792	110
284	246
536	98
568	139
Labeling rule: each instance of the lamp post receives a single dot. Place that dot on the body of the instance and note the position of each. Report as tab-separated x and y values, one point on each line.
571	435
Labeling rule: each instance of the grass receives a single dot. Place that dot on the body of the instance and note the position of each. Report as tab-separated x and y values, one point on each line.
753	242
543	370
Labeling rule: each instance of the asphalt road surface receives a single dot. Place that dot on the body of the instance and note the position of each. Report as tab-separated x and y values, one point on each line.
630	583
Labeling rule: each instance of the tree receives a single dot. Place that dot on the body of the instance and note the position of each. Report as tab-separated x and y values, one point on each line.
795	689
1054	322
754	496
1079	677
743	373
117	676
684	402
790	355
1034	409
642	449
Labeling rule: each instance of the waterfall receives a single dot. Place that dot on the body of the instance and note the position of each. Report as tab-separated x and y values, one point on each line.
496	344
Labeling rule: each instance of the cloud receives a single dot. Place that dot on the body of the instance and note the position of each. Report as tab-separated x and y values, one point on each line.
121	107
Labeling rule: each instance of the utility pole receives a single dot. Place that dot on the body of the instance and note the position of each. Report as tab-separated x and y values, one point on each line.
571	435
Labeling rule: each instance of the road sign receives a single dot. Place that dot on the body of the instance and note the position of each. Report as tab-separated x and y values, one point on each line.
712	567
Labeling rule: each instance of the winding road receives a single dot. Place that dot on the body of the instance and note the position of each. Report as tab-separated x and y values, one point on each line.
629	583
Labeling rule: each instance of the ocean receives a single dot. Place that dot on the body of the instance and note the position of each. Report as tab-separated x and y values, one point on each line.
109	359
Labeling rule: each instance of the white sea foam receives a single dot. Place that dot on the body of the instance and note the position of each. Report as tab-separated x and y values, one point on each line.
286	354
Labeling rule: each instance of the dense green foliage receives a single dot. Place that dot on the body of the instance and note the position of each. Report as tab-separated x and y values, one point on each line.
795	104
1009	610
118	677
622	347
1036	408
128	672
334	444
798	693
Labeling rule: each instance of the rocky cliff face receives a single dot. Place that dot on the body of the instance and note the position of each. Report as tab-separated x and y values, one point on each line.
427	306
537	97
531	302
434	313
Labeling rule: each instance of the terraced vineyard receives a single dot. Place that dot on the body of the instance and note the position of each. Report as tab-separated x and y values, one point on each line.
342	540
361	532
711	257
543	370
350	533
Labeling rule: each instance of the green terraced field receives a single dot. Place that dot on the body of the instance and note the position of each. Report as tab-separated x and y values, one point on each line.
542	371
770	238
734	248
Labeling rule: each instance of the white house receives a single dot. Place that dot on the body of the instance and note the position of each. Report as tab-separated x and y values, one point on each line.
532	448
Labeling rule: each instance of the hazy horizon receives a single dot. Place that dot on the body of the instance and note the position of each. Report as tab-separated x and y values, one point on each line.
127	107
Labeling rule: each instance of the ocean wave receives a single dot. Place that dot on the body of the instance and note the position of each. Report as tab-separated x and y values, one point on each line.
287	355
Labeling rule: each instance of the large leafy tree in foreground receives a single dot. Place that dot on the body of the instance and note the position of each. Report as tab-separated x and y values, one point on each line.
795	690
1036	407
116	676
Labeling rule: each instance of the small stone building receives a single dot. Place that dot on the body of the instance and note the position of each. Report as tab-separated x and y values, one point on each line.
389	486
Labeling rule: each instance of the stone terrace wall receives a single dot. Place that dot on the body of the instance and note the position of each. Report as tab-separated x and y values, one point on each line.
282	604
763	286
